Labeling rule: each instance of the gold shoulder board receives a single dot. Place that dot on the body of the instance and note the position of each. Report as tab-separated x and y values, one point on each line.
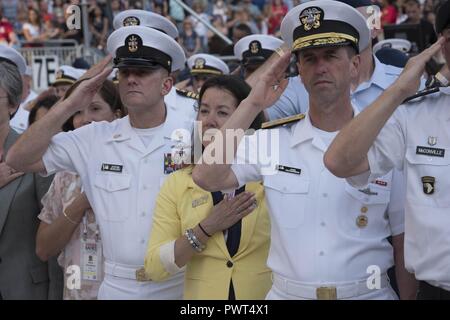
282	121
188	94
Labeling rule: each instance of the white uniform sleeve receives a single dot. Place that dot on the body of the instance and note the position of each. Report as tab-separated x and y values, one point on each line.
167	256
247	162
396	207
294	100
69	151
387	152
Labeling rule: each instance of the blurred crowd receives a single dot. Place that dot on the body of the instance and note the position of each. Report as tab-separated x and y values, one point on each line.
31	22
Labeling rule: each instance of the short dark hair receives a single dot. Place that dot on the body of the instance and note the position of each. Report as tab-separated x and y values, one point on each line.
237	87
244	28
47	103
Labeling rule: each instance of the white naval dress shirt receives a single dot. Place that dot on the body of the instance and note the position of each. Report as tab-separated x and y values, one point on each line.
315	238
20	120
417	140
185	107
122	196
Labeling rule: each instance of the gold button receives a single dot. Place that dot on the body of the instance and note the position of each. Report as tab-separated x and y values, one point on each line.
364	209
362	221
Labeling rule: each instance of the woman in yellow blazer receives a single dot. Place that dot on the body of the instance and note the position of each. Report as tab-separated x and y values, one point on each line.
222	243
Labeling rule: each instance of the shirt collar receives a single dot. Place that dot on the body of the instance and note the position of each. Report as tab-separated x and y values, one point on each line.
303	131
378	77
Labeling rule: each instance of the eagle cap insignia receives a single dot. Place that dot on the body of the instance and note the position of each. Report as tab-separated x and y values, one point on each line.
199	63
131	21
255	46
133	42
311	18
59	74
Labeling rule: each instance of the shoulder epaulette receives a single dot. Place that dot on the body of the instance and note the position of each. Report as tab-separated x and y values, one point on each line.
282	121
188	94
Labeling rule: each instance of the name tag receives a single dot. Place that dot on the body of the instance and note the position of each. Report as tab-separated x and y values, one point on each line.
288	169
427	151
199	201
112	167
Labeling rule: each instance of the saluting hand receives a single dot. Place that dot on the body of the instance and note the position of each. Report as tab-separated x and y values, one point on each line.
272	83
409	80
229	211
84	90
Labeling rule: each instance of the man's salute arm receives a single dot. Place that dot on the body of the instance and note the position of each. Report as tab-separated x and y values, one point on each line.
347	154
26	154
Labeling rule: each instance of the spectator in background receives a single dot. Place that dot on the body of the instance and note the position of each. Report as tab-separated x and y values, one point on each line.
254	11
238	32
20	120
160	7
414	13
220	8
51	31
22	274
21	19
176	13
189	39
58	9
215	43
7	34
276	11
199	27
389	12
10	8
99	27
116	8
41	108
242	16
32	30
67	216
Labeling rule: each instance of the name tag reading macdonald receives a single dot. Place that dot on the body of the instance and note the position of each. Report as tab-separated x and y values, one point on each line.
427	151
112	167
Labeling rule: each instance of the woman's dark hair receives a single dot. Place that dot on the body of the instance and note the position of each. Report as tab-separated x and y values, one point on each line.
37	14
46	103
237	87
110	94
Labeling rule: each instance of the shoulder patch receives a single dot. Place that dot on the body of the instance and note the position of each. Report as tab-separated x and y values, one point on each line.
282	121
188	94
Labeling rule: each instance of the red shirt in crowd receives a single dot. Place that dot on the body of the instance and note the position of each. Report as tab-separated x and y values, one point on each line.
389	15
277	14
6	29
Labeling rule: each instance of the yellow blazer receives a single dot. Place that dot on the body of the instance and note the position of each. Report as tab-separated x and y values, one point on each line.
181	205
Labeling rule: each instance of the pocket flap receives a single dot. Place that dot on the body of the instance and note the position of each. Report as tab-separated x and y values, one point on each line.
414	158
370	195
113	182
287	183
39	273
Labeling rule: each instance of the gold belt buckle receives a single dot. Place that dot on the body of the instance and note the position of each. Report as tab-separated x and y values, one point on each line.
326	293
141	275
